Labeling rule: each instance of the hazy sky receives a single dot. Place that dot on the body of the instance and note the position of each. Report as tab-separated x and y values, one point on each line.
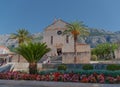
35	15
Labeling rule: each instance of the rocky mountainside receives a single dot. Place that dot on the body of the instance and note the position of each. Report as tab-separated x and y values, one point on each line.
102	36
4	39
97	36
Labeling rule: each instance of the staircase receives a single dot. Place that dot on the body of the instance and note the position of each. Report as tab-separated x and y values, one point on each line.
56	59
52	59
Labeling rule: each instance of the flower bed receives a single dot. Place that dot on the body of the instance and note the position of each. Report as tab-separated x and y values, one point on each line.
65	77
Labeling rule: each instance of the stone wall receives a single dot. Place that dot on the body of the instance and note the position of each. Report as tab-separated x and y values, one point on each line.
15	59
24	66
83	54
82	57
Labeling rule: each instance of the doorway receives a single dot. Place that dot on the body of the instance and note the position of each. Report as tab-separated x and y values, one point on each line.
59	51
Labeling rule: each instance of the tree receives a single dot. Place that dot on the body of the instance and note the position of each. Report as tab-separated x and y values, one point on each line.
32	52
76	29
105	51
22	36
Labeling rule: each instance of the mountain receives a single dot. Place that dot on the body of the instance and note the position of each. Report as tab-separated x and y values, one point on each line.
94	40
97	36
10	43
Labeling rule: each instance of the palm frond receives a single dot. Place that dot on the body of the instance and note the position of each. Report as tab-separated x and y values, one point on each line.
32	52
22	36
78	27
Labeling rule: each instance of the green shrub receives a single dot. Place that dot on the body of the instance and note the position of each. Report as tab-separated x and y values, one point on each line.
83	72
87	67
94	58
113	67
62	67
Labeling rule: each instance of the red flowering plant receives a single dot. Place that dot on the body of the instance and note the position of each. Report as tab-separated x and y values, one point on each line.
111	79
38	77
66	77
92	79
61	77
3	76
74	77
101	78
118	79
25	76
84	79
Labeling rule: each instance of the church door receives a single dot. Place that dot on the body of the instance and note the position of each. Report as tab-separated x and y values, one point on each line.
59	51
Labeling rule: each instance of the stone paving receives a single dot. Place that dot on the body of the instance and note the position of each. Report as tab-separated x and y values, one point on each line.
23	83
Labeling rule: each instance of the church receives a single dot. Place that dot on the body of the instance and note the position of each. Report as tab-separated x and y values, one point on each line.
64	44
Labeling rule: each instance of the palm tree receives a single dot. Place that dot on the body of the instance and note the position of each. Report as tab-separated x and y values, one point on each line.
32	52
22	36
76	29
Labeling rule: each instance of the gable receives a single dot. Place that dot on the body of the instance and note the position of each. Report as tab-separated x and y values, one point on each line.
57	24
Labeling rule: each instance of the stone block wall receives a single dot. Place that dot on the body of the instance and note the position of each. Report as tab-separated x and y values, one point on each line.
24	66
15	59
83	57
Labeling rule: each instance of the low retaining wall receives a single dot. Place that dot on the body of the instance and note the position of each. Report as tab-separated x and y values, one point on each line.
74	66
24	66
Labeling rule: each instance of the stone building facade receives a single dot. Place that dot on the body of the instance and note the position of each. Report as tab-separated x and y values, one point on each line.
64	44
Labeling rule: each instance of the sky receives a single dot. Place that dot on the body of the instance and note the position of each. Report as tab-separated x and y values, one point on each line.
35	15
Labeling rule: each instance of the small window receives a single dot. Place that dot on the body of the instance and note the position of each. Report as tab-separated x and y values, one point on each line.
51	39
67	39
